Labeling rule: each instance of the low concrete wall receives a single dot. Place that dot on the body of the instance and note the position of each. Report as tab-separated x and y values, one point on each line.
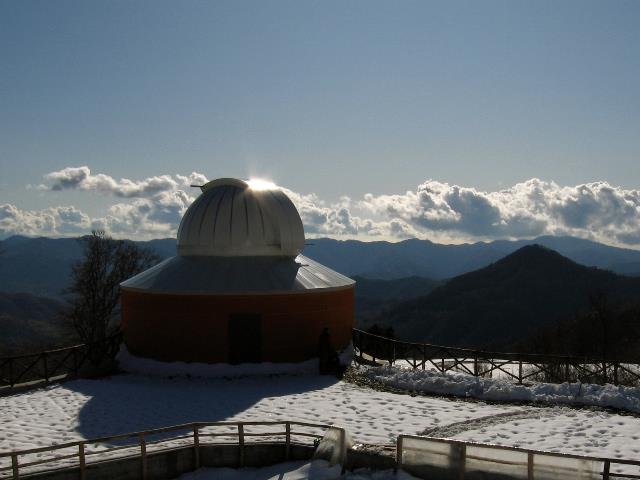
369	459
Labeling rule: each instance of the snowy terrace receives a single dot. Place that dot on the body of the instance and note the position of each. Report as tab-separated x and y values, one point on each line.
85	409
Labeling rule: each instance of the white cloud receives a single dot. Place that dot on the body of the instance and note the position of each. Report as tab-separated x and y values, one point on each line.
153	207
594	210
65	220
81	178
146	218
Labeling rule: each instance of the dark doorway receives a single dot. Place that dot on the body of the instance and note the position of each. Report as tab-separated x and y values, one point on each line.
245	338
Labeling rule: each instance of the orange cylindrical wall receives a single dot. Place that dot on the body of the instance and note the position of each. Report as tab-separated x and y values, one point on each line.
194	328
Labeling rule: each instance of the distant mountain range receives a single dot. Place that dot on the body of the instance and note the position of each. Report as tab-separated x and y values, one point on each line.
41	266
501	304
497	293
423	258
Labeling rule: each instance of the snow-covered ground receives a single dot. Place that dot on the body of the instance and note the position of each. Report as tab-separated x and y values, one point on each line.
91	408
464	385
146	366
126	403
316	470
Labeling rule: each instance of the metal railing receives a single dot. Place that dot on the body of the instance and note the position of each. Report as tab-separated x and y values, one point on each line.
81	454
520	367
56	364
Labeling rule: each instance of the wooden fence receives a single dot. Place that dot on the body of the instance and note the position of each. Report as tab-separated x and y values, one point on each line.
520	367
81	454
56	364
425	457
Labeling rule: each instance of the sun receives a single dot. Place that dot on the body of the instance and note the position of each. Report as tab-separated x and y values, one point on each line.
261	184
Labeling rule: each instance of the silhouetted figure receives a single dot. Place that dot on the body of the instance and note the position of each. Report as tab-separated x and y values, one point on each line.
329	362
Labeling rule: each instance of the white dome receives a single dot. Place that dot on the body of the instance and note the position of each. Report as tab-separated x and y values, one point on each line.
230	218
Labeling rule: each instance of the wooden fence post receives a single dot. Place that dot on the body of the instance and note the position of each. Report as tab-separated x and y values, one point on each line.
11	381
393	357
76	368
530	466
14	467
519	372
463	461
607	468
287	426
241	443
44	364
82	461
143	456
343	449
196	446
399	452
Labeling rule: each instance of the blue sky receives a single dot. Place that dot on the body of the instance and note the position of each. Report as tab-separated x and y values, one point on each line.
324	98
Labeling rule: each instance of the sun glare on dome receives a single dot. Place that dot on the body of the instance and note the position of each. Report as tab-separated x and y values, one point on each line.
260	184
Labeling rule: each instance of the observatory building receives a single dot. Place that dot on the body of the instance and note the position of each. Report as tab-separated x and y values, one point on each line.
238	289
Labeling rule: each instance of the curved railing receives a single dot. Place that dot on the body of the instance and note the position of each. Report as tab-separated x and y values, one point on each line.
51	365
424	457
520	367
81	455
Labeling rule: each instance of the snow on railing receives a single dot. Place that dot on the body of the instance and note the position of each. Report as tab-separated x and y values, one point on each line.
140	444
520	367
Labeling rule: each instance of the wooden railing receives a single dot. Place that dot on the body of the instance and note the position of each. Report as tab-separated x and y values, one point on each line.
56	364
458	459
520	367
81	454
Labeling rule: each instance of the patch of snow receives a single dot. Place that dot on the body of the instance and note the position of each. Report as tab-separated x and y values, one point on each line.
465	385
146	366
346	356
333	446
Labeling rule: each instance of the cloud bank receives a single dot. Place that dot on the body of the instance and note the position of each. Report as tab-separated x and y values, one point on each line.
153	207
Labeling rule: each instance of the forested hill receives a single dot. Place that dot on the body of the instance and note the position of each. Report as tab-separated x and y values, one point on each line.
509	300
374	296
29	323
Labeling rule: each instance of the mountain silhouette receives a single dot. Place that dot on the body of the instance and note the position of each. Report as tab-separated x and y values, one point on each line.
499	305
42	266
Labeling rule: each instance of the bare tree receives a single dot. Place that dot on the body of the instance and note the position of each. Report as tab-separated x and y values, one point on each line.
599	312
95	283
